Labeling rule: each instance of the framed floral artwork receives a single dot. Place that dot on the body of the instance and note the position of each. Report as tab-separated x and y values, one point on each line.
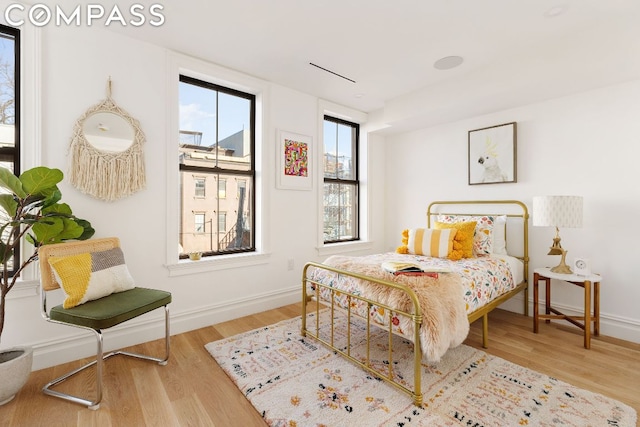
294	155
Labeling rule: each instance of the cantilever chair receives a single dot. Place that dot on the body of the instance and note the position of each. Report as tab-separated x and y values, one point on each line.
98	314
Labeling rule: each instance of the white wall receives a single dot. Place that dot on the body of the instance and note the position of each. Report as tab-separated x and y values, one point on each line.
585	144
75	65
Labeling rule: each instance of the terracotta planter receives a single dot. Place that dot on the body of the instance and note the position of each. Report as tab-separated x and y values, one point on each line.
15	367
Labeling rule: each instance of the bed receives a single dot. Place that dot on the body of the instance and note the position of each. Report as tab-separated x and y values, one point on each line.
433	311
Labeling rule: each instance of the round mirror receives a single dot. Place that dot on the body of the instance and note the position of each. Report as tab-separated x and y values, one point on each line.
107	160
108	132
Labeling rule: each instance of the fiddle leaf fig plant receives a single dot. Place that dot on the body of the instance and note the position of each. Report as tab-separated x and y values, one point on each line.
30	211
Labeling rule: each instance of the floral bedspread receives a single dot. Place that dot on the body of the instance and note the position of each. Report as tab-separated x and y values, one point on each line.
483	279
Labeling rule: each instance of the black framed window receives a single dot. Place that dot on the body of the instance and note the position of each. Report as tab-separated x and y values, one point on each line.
341	184
217	142
10	109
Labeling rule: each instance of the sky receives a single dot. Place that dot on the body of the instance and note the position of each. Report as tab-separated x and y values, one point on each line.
198	112
6	57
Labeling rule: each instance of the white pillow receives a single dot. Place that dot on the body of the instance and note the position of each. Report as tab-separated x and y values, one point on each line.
500	235
490	233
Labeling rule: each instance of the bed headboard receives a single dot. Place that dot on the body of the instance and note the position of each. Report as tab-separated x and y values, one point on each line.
517	226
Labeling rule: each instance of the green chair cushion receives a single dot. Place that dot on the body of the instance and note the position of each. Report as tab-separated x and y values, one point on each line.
113	309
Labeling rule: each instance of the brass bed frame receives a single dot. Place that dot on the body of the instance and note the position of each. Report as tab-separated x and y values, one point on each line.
415	315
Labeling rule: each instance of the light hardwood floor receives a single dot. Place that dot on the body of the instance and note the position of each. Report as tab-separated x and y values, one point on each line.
192	390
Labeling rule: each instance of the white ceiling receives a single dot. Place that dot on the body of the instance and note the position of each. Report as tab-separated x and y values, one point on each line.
513	53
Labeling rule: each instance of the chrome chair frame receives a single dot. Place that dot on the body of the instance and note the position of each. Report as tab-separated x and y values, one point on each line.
100	356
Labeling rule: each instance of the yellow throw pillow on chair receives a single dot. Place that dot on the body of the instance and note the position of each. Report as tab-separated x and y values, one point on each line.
92	275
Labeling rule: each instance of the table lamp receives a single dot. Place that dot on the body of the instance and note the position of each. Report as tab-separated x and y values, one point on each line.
558	211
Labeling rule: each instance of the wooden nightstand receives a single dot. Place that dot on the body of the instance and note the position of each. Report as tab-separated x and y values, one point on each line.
584	282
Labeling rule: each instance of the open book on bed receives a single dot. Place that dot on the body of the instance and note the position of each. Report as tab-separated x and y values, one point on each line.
412	268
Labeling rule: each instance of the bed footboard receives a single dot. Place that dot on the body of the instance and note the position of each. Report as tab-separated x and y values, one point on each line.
312	289
314	332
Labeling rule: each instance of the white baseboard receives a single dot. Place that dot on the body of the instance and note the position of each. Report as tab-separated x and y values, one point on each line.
79	344
610	325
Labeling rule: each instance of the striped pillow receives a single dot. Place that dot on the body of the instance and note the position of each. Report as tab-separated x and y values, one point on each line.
92	275
429	242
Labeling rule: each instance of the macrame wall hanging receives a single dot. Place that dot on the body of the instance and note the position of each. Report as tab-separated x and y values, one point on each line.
107	160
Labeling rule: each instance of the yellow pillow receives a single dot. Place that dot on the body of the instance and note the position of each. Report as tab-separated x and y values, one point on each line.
463	239
89	276
427	242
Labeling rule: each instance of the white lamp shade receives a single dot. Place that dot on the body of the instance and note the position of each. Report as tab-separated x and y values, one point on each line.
557	211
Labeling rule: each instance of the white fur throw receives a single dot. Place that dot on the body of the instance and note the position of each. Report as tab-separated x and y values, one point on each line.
445	323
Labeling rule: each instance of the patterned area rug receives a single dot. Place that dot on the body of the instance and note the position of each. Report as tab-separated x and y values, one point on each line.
295	381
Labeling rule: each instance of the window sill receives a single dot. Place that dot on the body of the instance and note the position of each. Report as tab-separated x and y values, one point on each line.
339	248
186	266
